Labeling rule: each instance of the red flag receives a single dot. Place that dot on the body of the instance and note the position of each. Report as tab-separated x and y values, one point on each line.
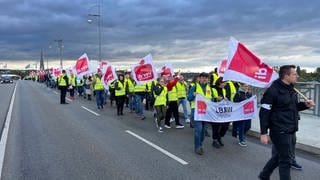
244	66
222	67
83	66
109	76
144	71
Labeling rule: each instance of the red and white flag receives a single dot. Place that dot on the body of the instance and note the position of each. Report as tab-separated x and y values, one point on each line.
224	111
103	65
244	66
144	71
166	70
222	67
57	72
83	66
109	75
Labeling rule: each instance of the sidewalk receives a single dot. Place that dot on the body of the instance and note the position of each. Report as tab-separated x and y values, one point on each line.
308	136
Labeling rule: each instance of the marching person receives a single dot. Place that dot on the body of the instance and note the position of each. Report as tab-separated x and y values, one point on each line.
98	89
63	83
205	90
130	83
182	94
160	104
243	126
279	114
191	99
173	103
72	85
219	129
120	92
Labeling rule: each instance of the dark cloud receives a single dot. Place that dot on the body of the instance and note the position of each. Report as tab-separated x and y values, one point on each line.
181	29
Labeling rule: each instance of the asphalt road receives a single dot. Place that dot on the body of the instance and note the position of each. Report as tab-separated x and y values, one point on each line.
51	141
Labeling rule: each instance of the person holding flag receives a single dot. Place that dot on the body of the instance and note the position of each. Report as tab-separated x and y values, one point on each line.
279	114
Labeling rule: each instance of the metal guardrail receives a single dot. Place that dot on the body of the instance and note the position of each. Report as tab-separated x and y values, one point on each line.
310	90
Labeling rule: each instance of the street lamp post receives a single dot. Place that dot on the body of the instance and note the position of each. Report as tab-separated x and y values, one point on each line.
90	20
60	46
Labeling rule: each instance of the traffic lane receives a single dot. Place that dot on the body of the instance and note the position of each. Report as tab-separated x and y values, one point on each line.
6	91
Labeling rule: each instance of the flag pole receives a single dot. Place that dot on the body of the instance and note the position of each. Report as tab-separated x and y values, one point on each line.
302	95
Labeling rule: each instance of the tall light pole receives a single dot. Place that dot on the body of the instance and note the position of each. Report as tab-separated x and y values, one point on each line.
60	46
90	20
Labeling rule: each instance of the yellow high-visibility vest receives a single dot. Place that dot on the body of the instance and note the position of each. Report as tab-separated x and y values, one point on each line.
161	99
72	81
98	85
172	95
130	85
215	93
207	94
62	81
215	77
181	90
140	88
233	90
122	90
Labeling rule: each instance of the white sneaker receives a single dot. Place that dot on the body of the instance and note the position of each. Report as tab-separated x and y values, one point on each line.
179	126
166	126
160	130
187	120
171	120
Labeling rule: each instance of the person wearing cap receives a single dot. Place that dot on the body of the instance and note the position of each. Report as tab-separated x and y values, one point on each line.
120	92
204	89
63	83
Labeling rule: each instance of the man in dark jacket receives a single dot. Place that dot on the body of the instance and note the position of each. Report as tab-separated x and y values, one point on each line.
279	113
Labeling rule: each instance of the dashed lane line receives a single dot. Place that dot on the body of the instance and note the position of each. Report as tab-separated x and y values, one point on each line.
90	111
181	161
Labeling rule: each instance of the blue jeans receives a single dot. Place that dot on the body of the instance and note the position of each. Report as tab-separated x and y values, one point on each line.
131	102
139	99
99	97
199	132
242	128
184	107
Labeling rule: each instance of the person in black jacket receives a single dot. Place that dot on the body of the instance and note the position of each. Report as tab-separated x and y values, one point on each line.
279	113
243	126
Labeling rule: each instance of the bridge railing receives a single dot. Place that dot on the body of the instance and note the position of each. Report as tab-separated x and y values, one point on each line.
310	90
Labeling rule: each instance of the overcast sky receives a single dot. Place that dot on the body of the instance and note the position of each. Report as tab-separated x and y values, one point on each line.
186	33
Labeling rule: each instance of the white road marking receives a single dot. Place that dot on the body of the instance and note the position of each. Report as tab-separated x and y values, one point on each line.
4	136
55	92
158	148
90	111
68	99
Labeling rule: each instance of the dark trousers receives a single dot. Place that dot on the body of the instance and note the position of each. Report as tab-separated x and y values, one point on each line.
63	92
219	130
120	104
172	109
161	113
281	156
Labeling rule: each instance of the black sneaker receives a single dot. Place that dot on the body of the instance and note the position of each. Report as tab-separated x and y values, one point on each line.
295	165
215	144
220	142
